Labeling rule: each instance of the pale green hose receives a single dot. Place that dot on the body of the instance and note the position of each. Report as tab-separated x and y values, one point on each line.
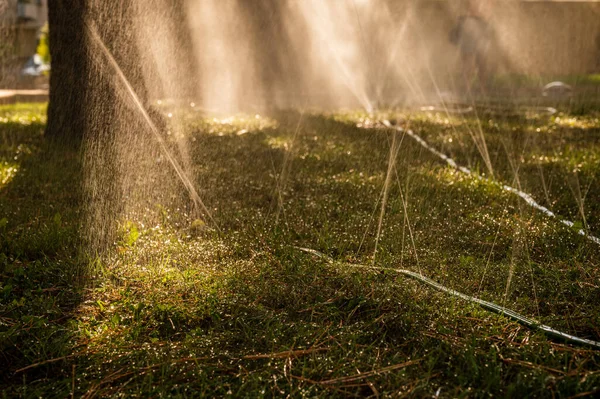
533	324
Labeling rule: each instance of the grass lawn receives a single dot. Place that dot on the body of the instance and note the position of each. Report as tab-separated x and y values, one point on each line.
178	308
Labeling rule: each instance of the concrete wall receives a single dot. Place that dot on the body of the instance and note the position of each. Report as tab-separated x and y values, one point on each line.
19	36
536	37
32	18
551	37
539	39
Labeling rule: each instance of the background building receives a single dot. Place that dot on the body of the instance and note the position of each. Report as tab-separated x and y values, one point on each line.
20	25
32	15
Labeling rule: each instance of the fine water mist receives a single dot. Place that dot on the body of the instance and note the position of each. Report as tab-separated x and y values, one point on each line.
214	57
303	198
236	55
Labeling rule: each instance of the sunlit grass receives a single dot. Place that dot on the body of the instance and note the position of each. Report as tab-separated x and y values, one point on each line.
176	308
220	125
577	122
7	172
23	113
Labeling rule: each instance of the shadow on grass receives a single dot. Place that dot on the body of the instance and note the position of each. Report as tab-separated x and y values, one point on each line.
241	313
41	273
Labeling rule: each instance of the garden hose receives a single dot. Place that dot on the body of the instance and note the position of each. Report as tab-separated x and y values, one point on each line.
449	108
492	307
489	109
526	197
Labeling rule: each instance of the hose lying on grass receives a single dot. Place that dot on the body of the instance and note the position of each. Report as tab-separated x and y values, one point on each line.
489	109
527	197
451	109
533	324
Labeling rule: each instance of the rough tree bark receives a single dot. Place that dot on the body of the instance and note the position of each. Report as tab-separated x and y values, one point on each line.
68	82
83	93
88	107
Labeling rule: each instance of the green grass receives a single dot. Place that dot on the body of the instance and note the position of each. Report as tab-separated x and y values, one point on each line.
178	309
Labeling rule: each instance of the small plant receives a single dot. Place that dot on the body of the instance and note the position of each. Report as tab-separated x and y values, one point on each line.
129	234
43	48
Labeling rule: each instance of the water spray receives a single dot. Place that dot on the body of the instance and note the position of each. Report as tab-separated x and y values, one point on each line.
394	150
526	197
94	35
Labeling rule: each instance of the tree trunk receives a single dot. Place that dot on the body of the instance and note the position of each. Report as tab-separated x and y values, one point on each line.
81	80
90	106
68	81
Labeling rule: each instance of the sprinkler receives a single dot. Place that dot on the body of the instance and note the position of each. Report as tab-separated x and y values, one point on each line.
557	90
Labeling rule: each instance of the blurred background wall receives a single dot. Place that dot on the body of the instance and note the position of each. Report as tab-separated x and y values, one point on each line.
540	38
20	24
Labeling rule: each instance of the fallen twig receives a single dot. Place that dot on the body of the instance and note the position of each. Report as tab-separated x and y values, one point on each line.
586	394
358	377
370	373
286	354
58	359
531	365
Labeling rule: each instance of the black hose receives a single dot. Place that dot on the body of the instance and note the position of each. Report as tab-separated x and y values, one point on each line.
492	307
